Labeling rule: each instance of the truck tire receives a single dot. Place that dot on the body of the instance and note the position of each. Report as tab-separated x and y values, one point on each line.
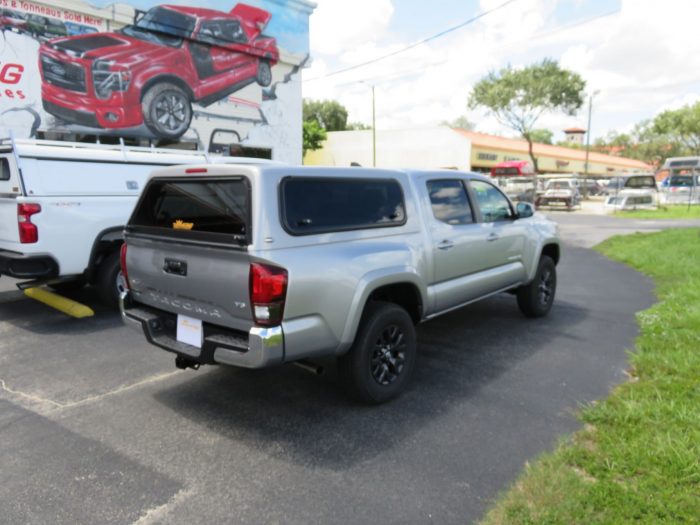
110	281
383	356
264	76
167	110
535	299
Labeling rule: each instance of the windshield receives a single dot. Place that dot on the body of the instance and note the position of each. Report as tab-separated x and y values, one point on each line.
559	185
162	26
681	180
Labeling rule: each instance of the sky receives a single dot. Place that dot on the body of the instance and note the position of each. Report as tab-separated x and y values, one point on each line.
639	57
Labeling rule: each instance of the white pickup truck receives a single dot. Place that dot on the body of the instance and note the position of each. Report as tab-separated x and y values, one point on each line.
63	207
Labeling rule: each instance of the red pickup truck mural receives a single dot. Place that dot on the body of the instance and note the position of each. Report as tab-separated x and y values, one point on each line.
152	71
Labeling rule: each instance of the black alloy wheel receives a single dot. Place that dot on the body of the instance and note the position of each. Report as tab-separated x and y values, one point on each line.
389	356
167	111
535	299
381	360
546	287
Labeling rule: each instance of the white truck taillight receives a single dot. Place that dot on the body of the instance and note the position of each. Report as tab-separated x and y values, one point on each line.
268	291
28	232
122	263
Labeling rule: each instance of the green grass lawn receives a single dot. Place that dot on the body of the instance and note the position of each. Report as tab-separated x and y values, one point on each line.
666	212
637	458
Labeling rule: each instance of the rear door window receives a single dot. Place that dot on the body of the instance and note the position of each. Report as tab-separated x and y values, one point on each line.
318	205
449	201
203	209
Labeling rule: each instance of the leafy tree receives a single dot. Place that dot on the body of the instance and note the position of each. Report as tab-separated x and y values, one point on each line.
357	126
543	136
519	97
643	143
328	114
461	122
313	136
681	126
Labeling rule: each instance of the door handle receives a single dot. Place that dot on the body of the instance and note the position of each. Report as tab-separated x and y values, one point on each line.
446	245
492	237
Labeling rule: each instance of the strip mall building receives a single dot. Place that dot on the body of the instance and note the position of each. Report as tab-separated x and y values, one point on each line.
444	147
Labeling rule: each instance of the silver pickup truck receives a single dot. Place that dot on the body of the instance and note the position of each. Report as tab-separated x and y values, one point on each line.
253	266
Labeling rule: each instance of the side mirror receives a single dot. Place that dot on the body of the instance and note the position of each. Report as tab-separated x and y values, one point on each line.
525	210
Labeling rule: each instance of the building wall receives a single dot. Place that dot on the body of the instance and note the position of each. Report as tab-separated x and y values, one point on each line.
444	147
257	116
486	157
426	148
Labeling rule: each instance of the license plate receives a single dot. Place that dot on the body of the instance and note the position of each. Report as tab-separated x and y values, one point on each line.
189	330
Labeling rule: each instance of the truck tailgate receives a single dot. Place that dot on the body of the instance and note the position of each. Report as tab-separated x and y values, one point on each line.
206	283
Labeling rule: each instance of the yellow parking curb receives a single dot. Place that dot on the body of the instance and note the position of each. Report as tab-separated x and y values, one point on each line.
62	304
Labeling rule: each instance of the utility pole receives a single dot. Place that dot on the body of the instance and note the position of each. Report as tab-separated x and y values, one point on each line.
588	143
374	133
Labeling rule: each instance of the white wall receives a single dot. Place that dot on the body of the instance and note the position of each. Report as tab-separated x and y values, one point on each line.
422	148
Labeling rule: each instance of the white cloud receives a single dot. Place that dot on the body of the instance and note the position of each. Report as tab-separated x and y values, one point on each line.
338	25
643	60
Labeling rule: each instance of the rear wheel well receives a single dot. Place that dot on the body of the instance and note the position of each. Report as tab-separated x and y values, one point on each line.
552	251
106	243
406	295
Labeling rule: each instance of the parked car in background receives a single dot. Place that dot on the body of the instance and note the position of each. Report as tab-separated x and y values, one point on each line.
13	20
151	72
630	182
682	189
518	189
516	179
44	28
643	199
560	192
254	266
591	187
682	186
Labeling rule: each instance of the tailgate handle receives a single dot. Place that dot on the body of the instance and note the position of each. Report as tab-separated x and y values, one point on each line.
175	267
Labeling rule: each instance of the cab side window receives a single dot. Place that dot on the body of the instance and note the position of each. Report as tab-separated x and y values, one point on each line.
449	201
493	204
212	33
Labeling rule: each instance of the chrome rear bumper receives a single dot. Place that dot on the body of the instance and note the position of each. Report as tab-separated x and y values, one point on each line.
259	348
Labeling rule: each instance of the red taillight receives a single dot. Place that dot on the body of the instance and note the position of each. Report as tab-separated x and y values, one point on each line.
28	232
190	171
268	291
122	263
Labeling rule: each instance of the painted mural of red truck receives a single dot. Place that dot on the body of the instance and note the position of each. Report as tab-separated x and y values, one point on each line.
151	72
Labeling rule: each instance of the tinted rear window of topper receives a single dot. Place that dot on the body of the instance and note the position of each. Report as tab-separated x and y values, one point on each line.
322	205
217	210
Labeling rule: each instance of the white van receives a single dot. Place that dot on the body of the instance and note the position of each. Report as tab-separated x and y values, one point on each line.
63	207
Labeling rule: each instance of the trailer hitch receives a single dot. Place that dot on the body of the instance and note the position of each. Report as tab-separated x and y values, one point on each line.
183	363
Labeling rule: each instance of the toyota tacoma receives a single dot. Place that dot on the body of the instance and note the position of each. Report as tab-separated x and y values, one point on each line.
254	266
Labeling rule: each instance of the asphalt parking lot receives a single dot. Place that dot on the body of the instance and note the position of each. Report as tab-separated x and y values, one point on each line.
96	426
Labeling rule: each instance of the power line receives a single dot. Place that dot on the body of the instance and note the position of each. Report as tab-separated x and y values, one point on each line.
415	44
537	36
